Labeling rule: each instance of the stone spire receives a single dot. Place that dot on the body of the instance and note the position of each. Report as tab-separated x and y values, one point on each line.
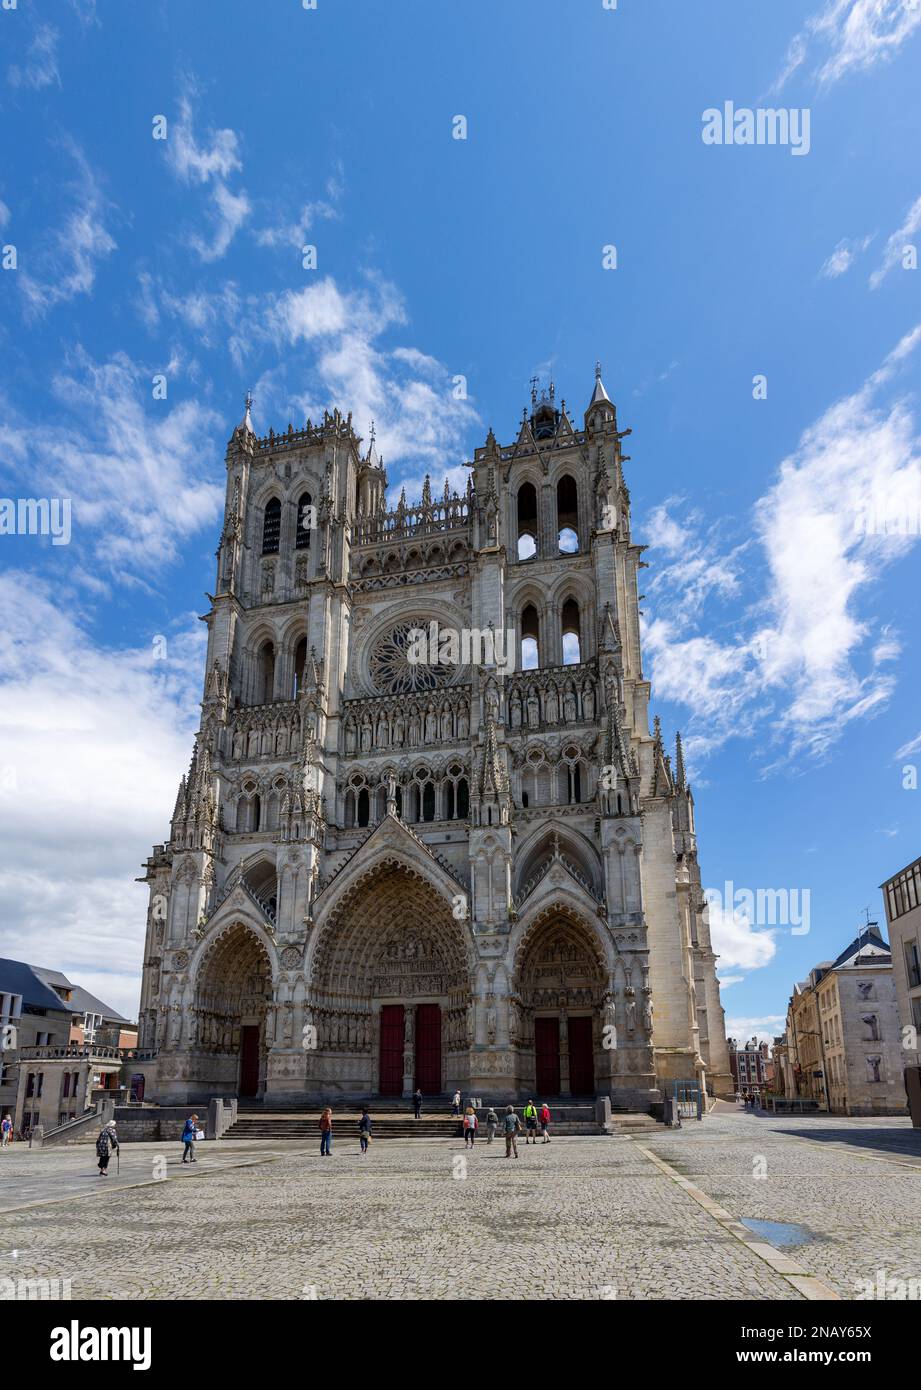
680	778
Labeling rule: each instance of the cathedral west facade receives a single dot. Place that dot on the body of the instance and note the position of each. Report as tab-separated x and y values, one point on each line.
476	868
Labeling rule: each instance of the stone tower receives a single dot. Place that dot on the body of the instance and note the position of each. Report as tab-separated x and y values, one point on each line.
426	838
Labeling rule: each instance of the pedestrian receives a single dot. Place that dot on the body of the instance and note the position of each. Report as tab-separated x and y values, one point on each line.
189	1136
326	1133
530	1119
492	1124
6	1130
545	1123
364	1130
417	1103
512	1126
105	1144
456	1104
470	1126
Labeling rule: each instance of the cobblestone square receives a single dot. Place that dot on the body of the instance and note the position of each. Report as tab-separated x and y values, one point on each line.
655	1217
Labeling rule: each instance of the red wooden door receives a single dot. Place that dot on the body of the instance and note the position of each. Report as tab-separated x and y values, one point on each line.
249	1060
391	1072
547	1055
581	1057
428	1049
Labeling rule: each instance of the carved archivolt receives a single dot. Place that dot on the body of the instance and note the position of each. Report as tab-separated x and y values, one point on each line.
392	936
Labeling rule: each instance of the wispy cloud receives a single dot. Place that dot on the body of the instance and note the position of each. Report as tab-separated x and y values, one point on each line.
801	663
844	256
849	36
141	481
912	746
40	68
208	163
896	245
294	232
65	266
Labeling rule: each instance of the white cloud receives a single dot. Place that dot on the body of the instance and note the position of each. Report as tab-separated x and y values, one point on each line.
737	942
849	36
67	264
895	246
141	481
93	744
912	746
211	163
810	663
41	65
844	256
195	163
765	1028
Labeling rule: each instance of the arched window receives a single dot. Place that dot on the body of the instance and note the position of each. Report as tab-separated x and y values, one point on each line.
449	801
527	521
305	521
530	639
574	788
364	806
399	801
265	674
462	804
428	801
567	515
572	633
271	527
300	660
257	814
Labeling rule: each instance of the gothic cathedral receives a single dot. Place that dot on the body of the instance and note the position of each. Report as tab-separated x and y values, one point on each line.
467	864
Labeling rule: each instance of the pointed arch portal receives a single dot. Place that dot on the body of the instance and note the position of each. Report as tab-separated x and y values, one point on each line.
233	996
390	987
560	986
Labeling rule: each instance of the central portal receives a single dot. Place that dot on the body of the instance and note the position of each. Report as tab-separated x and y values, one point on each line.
394	959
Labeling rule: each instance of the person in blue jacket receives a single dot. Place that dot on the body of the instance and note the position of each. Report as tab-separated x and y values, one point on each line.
188	1138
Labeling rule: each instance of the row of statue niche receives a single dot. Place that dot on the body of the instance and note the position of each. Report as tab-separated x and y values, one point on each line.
547	705
345	1032
267	737
418	725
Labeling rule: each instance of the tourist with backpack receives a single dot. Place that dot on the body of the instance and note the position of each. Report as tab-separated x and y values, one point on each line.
105	1144
512	1126
326	1133
6	1130
417	1103
470	1126
545	1123
189	1136
456	1104
492	1124
364	1130
530	1119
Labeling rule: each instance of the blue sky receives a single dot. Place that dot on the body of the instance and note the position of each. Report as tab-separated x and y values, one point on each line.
781	638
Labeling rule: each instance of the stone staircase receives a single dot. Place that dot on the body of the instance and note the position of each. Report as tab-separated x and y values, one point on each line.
392	1118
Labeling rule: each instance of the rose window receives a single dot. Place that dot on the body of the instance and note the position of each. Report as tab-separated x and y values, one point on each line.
406	661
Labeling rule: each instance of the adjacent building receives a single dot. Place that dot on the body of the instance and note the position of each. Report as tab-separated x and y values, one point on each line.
902	897
749	1064
842	1043
63	1049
